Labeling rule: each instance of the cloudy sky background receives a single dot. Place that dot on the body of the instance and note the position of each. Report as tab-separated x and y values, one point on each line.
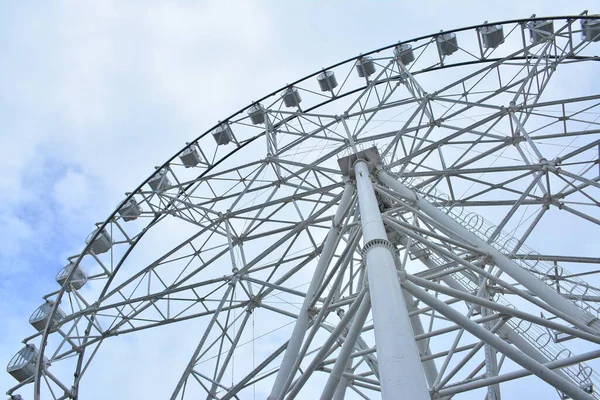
93	95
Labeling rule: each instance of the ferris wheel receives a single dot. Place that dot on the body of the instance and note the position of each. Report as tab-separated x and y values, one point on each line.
416	222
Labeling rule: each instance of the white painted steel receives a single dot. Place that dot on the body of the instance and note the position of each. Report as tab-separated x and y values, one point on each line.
520	358
587	321
291	352
401	373
334	382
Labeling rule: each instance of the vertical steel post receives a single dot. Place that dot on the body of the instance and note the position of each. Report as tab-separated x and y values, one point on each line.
291	352
400	370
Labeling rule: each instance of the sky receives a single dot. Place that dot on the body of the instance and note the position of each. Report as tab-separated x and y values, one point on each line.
94	95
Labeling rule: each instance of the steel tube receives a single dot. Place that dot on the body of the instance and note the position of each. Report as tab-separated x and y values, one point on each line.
347	349
429	366
587	321
400	368
505	330
322	353
515	374
486	336
291	352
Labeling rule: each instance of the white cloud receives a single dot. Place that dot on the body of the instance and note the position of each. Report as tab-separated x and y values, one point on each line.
72	191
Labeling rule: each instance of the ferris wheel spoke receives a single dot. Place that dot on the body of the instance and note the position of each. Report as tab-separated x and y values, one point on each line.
194	360
544	322
578	190
528	363
422	150
551	297
508	331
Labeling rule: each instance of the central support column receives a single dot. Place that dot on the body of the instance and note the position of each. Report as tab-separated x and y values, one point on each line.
400	369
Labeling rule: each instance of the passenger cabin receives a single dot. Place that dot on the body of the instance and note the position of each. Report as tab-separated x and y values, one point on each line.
40	317
101	244
190	157
130	210
540	31
160	181
256	112
78	279
223	134
447	43
590	30
404	54
23	365
365	67
492	36
327	81
291	97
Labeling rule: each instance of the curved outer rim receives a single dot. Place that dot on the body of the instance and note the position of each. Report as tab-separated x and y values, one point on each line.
111	217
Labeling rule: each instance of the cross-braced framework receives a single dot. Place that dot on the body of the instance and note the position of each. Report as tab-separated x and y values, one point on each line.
394	226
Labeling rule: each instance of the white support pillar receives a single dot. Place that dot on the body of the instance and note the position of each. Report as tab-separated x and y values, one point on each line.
400	370
293	347
586	321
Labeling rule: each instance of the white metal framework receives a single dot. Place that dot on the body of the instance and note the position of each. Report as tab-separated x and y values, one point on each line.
365	232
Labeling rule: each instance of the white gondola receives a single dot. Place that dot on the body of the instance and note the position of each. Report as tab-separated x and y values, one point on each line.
447	43
365	66
160	181
492	36
40	317
130	210
101	244
590	30
540	30
327	81
190	157
291	97
256	112
23	365
404	53
223	134
78	279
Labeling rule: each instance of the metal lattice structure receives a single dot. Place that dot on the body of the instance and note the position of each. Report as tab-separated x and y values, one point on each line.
385	219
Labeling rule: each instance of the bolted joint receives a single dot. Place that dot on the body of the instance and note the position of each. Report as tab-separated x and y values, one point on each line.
402	276
253	303
513	107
